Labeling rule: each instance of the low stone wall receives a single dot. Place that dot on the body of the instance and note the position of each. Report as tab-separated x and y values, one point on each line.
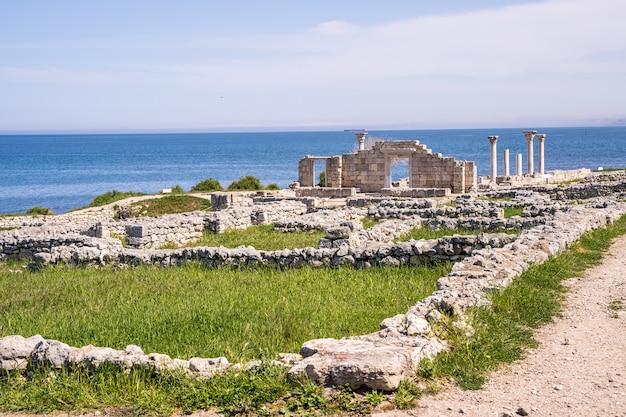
176	229
325	192
419	252
240	218
79	221
54	248
415	192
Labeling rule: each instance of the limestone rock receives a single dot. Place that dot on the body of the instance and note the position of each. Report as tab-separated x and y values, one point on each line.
16	350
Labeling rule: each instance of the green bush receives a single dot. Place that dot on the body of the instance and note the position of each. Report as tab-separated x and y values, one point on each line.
247	183
112	196
322	182
36	211
207	186
272	186
177	189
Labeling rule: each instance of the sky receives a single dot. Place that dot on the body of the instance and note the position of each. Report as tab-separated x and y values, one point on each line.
208	65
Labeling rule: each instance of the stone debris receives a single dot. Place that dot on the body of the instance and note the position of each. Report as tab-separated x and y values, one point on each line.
553	217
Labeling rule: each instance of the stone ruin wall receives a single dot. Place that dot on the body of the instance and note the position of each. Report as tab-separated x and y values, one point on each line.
367	170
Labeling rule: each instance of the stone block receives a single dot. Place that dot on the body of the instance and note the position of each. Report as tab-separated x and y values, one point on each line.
136	230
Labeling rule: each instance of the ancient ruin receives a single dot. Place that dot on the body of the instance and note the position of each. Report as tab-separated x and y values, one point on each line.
553	216
369	170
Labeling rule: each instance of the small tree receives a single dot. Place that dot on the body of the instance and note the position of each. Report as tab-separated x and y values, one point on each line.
272	186
247	183
207	186
322	182
177	189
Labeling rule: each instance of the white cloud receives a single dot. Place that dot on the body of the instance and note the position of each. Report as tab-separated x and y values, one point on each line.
554	58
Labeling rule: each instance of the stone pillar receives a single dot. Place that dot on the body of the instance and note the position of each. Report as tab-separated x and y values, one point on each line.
494	158
360	137
388	162
518	165
505	163
530	135
541	138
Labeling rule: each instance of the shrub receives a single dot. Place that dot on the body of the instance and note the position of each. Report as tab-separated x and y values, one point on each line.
247	183
322	182
112	196
272	186
207	186
177	189
36	211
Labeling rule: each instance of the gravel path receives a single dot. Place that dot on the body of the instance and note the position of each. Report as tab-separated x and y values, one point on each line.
579	369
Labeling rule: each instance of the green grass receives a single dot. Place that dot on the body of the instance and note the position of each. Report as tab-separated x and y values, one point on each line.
505	331
194	311
171	204
513	211
369	222
261	238
111	197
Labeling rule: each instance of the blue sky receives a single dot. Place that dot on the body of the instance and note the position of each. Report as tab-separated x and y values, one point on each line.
125	66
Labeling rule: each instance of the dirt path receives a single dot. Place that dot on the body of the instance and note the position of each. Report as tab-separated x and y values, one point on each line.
579	368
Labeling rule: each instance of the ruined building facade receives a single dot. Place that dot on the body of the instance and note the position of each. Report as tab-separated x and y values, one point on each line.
369	170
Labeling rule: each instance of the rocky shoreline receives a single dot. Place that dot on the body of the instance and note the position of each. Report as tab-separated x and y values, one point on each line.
553	217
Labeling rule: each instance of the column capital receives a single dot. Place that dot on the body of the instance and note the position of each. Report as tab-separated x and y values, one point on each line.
493	139
530	134
541	137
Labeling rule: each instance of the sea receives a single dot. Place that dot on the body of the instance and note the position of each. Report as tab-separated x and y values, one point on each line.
64	172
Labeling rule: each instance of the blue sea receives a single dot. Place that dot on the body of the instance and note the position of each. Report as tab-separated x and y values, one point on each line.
64	172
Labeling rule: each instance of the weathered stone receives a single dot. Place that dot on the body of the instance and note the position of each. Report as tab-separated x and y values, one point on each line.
15	351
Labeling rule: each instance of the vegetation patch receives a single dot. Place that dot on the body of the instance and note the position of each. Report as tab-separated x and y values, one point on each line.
369	222
39	211
207	186
191	311
513	211
263	237
111	197
170	204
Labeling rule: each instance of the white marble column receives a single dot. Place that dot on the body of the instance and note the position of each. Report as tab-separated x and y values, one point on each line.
360	137
542	166
494	157
505	163
530	135
518	165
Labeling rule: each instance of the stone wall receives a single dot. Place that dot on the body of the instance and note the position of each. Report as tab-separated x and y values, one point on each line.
369	170
175	229
325	192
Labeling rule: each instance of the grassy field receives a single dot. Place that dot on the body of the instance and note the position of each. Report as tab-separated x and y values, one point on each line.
194	311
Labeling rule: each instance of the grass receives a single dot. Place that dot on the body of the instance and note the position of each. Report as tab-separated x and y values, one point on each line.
111	197
262	238
369	222
504	331
170	204
194	311
513	211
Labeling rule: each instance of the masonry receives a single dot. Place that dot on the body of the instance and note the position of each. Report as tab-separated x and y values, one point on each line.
369	170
